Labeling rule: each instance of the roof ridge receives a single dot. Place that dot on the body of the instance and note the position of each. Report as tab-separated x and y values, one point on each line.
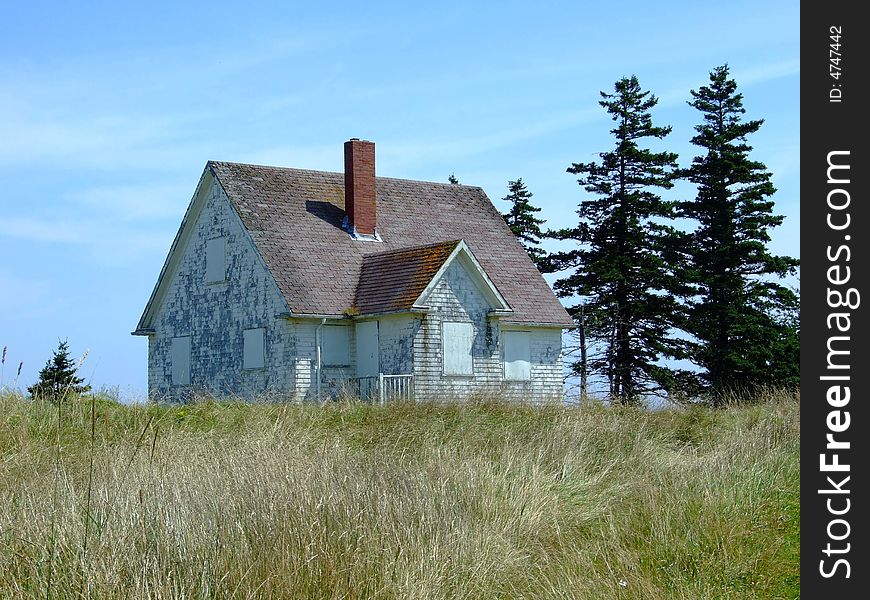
338	173
445	243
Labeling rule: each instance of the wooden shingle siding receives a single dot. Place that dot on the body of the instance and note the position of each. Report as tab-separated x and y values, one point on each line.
215	315
545	383
396	342
546	347
456	298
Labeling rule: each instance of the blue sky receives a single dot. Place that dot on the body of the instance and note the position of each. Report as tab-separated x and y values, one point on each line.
108	114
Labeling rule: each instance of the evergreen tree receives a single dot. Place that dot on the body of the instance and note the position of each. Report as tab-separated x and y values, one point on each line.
745	324
452	179
625	260
786	347
522	221
58	377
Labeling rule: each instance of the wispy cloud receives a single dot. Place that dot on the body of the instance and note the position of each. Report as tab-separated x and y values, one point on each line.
744	77
318	157
400	152
109	242
137	201
39	230
767	72
101	141
145	109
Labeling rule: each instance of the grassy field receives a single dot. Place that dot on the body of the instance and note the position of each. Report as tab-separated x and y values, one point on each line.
489	500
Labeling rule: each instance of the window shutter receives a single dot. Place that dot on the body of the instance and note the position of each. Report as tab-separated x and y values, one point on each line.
457	342
254	348
336	345
180	358
517	355
216	260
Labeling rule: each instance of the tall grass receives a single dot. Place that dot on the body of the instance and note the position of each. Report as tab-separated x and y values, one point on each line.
225	500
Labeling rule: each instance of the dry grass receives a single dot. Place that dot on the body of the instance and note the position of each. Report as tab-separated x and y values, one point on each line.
405	501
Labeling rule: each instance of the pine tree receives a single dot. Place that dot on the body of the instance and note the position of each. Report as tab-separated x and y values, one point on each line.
526	226
786	346
58	377
745	324
625	260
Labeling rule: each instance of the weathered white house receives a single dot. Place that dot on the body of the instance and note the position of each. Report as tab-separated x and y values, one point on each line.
310	283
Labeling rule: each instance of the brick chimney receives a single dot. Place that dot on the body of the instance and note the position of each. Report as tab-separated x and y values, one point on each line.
359	187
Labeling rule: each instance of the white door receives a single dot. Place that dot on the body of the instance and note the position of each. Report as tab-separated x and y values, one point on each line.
367	363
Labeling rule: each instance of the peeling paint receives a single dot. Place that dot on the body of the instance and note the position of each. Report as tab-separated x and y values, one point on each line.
215	315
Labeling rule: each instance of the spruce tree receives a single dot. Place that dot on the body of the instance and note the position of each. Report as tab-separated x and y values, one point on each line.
625	260
522	221
744	322
58	377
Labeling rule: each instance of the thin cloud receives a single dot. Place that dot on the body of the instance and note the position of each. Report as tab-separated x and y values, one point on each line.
767	72
318	157
109	242
679	93
39	230
96	141
136	202
403	152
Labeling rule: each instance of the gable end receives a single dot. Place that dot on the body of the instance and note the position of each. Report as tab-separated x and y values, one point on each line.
179	246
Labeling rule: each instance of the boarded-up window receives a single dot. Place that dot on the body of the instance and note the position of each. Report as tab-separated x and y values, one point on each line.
216	260
336	345
254	348
457	341
180	357
367	354
517	355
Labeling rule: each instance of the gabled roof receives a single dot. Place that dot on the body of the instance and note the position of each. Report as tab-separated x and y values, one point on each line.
399	280
392	281
294	217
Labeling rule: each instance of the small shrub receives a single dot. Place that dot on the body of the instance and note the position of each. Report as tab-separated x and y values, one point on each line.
57	379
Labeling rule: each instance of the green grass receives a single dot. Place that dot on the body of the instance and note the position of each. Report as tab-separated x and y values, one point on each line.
229	500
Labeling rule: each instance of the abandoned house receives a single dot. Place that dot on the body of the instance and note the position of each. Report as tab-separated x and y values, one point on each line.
313	284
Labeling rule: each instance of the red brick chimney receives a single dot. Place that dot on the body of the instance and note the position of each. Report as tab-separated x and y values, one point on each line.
359	186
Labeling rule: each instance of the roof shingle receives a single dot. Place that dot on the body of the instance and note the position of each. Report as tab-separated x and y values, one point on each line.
295	218
391	281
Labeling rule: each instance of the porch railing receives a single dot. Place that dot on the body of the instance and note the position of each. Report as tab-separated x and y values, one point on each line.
386	388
